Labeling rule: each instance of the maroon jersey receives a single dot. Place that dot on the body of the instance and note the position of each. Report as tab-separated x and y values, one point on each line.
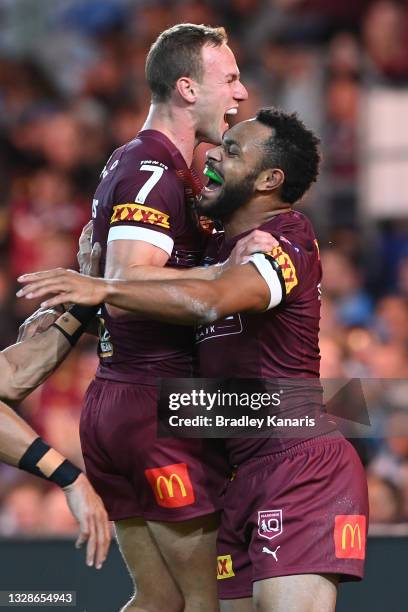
145	193
279	343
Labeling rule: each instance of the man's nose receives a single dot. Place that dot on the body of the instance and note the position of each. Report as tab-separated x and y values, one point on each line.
241	92
214	154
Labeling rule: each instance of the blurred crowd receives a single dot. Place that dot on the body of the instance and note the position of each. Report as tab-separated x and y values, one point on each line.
72	89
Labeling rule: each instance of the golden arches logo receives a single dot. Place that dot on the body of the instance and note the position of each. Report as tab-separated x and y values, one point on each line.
350	536
353	530
169	483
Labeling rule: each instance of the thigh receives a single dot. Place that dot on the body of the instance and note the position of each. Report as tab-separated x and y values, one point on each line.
189	549
236	605
155	587
300	593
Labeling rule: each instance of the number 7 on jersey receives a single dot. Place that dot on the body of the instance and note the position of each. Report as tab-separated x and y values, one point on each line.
157	172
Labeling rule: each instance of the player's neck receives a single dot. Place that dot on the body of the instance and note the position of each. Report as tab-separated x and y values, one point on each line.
250	217
174	123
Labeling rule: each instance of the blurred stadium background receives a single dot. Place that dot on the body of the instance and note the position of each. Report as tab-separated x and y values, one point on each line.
72	89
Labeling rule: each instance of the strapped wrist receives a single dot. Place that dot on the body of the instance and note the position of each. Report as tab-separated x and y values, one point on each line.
43	461
75	321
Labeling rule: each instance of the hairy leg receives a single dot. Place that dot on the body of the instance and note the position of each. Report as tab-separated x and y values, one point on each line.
155	588
236	605
190	553
298	593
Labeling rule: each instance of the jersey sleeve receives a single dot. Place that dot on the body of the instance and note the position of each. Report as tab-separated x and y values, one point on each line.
146	205
272	275
295	261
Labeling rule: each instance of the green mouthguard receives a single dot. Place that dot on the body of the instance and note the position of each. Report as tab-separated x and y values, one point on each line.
213	175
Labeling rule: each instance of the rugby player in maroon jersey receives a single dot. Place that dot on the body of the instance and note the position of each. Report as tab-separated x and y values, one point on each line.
164	496
295	516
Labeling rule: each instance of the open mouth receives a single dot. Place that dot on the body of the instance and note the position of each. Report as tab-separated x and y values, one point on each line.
229	113
215	180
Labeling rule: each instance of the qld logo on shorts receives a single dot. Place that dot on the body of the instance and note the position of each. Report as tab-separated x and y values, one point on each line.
171	485
270	523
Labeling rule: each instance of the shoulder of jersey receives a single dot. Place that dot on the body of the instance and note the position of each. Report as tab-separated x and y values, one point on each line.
147	149
297	224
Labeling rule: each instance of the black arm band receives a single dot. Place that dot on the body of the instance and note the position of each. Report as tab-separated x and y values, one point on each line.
75	321
65	474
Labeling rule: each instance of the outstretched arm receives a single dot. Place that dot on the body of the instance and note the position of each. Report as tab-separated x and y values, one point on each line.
252	287
27	364
256	241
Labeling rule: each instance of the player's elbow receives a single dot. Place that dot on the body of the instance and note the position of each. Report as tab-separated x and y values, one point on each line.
207	309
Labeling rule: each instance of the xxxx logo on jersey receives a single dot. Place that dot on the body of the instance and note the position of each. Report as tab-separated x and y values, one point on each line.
224	567
140	214
287	266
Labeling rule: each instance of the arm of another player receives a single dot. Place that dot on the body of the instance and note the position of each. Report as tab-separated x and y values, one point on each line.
88	257
252	287
21	446
255	242
27	364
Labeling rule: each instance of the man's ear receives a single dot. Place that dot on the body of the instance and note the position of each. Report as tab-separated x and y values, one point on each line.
186	88
270	179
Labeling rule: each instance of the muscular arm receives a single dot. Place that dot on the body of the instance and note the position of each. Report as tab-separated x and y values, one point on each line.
140	261
192	301
27	364
238	289
136	260
15	436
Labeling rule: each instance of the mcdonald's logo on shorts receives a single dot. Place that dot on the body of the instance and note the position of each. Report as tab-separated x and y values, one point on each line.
224	567
171	485
350	536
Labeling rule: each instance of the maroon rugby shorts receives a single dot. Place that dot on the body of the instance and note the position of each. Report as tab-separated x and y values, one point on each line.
138	474
303	510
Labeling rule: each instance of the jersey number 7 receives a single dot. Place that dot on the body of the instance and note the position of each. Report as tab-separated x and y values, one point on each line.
144	191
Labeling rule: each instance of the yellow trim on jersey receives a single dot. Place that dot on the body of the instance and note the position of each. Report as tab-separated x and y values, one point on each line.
139	213
287	266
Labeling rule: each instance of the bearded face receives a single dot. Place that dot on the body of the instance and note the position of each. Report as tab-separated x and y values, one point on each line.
222	196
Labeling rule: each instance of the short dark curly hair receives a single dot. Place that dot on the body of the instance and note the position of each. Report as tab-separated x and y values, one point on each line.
177	53
293	148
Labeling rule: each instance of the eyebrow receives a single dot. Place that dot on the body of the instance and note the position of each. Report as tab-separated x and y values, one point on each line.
230	141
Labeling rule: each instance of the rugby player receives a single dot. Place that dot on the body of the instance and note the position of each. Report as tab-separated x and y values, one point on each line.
295	516
164	495
24	366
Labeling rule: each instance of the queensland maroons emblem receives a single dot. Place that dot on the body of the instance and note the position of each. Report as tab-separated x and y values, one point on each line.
270	523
